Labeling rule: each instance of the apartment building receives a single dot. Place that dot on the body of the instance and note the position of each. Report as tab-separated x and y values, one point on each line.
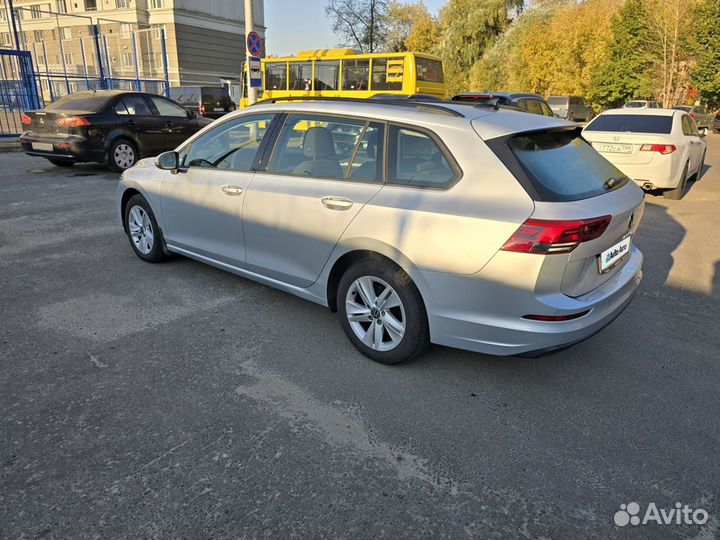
205	39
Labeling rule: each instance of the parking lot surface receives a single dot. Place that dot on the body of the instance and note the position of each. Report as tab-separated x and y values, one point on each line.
176	400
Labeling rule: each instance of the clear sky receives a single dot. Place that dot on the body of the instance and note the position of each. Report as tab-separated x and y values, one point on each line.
295	25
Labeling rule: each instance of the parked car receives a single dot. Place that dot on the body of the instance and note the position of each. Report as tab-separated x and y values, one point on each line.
410	243
573	108
642	104
703	118
716	123
657	148
531	103
107	126
208	101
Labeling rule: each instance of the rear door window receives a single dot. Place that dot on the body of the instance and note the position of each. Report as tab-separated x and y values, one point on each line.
416	159
561	166
631	123
135	105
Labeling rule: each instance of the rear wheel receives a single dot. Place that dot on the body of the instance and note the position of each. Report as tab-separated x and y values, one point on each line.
677	193
382	312
62	162
696	176
122	155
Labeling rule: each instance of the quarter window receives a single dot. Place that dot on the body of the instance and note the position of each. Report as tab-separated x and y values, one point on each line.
415	159
230	146
355	74
318	146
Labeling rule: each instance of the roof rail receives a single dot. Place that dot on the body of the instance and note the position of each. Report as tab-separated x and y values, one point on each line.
434	107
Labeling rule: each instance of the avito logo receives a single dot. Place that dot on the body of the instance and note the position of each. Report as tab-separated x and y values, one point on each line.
682	514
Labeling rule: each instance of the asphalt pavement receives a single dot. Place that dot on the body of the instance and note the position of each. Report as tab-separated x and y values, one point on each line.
176	400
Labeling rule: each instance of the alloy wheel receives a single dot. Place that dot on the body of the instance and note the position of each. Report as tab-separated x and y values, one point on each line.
141	231
375	313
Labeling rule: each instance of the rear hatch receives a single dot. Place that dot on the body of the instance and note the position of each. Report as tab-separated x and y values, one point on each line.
585	208
215	100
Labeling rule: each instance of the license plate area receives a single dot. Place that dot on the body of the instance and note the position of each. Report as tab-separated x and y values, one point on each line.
44	147
613	148
613	255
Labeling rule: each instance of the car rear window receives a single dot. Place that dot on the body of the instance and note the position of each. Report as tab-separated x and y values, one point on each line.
217	92
561	166
631	123
79	102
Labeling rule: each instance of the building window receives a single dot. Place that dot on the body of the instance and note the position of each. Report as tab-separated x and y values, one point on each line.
61	6
35	12
40	59
157	31
38	36
122	4
126	30
6	38
90	5
157	4
68	59
3	14
66	33
127	59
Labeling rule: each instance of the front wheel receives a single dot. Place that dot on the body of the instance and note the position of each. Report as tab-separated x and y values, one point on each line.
382	312
143	231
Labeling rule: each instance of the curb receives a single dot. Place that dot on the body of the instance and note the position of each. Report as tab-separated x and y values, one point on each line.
10	146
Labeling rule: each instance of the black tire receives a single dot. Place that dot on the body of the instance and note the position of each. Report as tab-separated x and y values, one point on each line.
157	252
677	193
62	162
571	117
416	336
120	159
697	174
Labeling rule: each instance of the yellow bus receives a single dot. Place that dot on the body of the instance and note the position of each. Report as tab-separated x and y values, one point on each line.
347	73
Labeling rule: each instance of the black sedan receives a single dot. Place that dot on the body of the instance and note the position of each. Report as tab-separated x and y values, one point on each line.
107	126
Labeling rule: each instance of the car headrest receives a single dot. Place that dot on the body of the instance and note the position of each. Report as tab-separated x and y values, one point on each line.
372	141
318	143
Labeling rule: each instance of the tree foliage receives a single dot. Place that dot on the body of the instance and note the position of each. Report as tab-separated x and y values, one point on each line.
704	42
410	27
359	23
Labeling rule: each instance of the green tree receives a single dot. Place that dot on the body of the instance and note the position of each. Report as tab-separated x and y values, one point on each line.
625	75
467	28
410	27
704	42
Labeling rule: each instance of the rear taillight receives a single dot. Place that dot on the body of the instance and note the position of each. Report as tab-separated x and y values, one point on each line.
692	115
550	237
202	109
25	119
662	148
72	121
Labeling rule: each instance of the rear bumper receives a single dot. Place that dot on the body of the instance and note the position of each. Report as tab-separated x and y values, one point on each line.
662	173
65	146
485	315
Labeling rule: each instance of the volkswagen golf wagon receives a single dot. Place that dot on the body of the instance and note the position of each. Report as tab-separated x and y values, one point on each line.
466	226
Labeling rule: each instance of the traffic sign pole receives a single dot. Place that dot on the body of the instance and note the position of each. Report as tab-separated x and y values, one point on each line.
249	31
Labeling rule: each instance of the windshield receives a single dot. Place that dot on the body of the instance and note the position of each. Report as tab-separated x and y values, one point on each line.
563	167
631	123
79	102
636	104
557	100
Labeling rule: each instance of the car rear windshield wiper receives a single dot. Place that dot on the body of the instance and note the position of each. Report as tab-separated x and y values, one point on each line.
614	181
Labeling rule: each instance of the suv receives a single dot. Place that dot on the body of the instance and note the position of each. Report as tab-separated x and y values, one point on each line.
642	104
417	222
208	101
703	118
573	108
531	103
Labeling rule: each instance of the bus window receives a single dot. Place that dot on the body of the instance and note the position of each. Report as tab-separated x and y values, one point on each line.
387	74
326	75
355	74
301	76
276	76
429	70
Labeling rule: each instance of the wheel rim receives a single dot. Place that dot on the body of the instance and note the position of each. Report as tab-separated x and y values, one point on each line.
375	313
124	156
141	231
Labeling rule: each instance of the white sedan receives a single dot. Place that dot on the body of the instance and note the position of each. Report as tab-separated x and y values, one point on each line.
657	148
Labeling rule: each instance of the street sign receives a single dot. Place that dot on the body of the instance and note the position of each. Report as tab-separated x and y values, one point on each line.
255	72
254	43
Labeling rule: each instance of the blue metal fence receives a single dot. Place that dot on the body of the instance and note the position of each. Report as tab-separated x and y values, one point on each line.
18	90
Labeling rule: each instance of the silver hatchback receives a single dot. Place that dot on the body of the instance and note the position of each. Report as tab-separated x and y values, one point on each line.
468	226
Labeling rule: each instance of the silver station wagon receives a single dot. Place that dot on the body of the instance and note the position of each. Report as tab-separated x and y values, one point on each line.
468	226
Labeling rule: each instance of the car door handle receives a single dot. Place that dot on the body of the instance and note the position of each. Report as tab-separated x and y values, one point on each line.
336	203
232	190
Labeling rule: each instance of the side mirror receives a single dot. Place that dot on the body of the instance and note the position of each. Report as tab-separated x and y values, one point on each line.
192	115
168	161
